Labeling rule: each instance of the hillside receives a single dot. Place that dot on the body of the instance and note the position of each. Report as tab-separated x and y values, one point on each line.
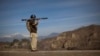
87	37
84	38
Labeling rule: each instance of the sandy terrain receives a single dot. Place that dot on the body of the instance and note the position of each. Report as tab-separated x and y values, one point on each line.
51	53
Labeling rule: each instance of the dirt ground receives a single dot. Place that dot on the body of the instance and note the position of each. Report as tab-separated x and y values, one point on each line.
51	53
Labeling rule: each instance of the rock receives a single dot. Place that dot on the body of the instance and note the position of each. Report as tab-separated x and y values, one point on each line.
82	38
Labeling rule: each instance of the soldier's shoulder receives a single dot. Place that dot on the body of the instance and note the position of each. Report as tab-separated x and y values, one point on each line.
28	20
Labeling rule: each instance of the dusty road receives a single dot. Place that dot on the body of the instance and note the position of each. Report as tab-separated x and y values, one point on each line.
52	53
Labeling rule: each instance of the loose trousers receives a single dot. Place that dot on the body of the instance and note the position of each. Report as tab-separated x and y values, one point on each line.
33	41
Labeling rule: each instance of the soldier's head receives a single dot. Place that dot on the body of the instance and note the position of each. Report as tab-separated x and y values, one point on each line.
33	16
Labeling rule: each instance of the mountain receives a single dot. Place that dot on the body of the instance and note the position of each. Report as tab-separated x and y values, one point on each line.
87	37
48	36
53	34
20	36
12	37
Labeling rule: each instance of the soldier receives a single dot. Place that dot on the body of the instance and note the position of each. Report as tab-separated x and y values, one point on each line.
32	28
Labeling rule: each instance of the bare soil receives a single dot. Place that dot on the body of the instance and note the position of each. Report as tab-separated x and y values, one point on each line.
51	53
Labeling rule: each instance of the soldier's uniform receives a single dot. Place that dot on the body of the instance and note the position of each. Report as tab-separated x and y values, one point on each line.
32	28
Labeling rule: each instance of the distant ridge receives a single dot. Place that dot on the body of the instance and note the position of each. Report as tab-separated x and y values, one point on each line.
87	37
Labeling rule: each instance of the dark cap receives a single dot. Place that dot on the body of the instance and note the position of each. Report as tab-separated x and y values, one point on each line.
33	16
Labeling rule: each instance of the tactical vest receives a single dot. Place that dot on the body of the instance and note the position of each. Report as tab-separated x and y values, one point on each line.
31	28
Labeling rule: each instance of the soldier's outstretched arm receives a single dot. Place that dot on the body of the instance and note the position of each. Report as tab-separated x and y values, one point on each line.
28	26
36	22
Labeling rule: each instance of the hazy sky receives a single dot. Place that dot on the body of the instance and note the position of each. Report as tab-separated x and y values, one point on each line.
63	15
